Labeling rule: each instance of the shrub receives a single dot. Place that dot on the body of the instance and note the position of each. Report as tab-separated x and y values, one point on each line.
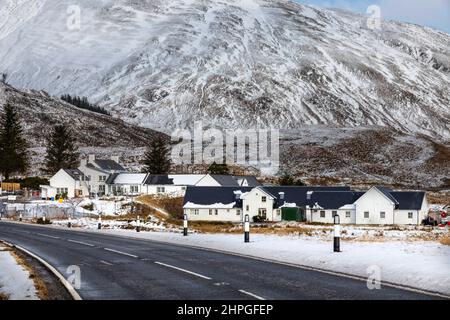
257	219
42	221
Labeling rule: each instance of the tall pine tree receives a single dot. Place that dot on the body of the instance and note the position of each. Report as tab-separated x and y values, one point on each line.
13	147
156	158
61	150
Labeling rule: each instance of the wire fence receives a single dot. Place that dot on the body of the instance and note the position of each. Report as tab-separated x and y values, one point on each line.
30	211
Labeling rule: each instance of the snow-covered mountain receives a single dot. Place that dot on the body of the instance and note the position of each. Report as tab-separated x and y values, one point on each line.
231	63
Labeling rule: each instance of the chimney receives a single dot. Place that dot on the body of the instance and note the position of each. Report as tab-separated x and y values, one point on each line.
115	158
91	158
308	195
281	195
83	162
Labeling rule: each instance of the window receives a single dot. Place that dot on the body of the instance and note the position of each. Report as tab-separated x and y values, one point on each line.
101	188
238	212
263	199
322	213
315	210
382	215
101	178
195	211
262	213
410	215
216	212
348	214
246	208
333	213
278	212
160	189
210	212
366	214
134	189
183	188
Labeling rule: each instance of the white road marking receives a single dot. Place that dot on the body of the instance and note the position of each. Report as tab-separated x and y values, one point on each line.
251	295
120	252
107	263
83	243
183	270
46	235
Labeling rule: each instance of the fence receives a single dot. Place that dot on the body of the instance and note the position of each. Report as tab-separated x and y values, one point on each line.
32	211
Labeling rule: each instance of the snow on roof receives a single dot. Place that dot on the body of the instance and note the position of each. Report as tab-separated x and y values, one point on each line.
130	178
190	205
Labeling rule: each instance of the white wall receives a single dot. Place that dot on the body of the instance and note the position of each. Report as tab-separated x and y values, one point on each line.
169	190
253	200
329	216
374	202
63	180
226	215
94	182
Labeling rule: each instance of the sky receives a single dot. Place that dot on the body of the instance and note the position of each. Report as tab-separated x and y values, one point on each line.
431	13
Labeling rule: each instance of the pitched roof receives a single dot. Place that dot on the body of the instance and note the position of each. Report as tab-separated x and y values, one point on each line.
409	200
245	181
158	179
126	178
297	194
387	192
225	181
213	195
333	199
74	173
109	165
186	179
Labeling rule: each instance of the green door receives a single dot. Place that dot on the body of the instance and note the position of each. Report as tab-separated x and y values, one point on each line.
290	214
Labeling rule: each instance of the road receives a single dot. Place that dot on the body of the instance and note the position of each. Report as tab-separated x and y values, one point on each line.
114	267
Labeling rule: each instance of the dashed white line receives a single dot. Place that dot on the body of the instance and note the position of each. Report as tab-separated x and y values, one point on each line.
82	243
120	252
46	235
107	263
183	270
252	295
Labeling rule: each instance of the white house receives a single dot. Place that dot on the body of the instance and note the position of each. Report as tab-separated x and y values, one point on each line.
97	171
383	206
314	204
125	184
216	180
71	182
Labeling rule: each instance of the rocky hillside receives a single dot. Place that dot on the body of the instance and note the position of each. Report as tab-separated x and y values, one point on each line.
232	63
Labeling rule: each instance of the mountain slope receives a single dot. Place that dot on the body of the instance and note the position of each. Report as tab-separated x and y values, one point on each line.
241	63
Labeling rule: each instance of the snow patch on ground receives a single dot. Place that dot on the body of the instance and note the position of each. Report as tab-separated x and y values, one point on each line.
15	280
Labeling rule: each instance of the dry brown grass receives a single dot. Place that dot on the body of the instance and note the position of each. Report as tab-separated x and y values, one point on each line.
445	241
173	206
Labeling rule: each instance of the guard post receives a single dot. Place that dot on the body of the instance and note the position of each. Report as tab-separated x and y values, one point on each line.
247	228
99	225
138	224
69	224
185	225
20	217
337	234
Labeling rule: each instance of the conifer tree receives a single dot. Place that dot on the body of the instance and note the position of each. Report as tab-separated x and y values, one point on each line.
61	150
156	158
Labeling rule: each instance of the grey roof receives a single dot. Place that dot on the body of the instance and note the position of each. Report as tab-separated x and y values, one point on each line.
225	181
74	173
111	178
388	193
251	180
409	200
333	199
158	179
109	165
211	195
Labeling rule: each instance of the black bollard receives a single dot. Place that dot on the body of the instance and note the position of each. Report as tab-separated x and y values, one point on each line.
138	224
247	228
99	225
185	225
337	234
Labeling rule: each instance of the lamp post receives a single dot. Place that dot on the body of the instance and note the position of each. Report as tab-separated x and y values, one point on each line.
247	228
337	234
185	225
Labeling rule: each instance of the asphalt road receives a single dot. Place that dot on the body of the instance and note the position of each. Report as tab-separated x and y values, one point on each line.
115	267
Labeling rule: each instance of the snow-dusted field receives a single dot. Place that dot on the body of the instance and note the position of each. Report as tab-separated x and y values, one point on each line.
419	264
15	280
